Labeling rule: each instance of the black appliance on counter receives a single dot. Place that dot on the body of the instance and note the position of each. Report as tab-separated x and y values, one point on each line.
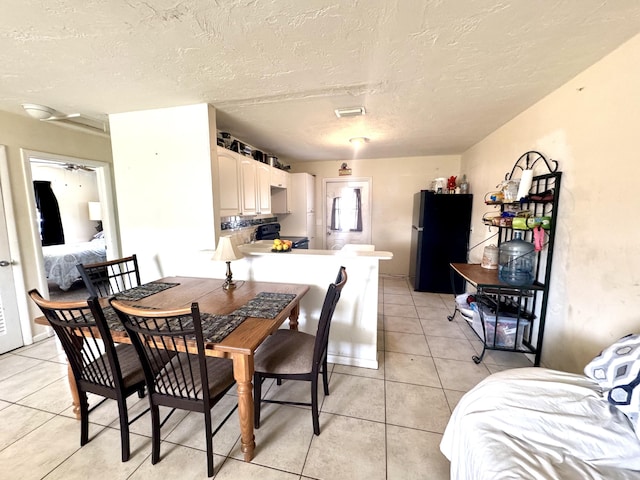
439	236
271	231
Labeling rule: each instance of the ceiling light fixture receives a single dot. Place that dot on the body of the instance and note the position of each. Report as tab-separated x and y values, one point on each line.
75	120
358	141
38	111
350	112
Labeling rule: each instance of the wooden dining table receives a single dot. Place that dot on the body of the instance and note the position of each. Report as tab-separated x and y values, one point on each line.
239	345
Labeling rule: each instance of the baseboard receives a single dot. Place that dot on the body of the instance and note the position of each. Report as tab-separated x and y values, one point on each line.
352	361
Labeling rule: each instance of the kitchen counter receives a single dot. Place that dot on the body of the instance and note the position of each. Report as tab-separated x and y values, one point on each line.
354	329
263	247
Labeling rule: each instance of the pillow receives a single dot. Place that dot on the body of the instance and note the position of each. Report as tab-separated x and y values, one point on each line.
617	371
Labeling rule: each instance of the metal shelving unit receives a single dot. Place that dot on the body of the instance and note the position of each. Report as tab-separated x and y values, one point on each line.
526	306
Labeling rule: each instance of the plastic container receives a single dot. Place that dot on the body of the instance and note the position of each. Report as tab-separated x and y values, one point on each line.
490	257
501	329
517	261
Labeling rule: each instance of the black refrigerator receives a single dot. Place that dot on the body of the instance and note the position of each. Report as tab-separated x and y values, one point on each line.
439	236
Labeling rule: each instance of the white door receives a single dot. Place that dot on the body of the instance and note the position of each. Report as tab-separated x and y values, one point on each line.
347	212
10	332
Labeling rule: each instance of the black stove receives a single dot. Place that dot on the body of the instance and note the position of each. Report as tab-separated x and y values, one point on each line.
271	231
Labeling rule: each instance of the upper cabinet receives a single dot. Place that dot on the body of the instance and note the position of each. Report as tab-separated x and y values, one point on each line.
249	187
279	178
229	171
263	179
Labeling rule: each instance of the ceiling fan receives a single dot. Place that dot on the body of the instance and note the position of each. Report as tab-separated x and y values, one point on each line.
73	167
74	120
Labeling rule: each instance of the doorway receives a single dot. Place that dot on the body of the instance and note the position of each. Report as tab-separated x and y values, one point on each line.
73	170
347	212
11	309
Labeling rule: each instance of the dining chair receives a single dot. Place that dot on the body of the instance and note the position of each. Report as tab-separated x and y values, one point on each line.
294	355
116	374
179	383
104	279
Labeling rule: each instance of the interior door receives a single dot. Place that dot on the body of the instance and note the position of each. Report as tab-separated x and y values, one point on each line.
10	332
347	212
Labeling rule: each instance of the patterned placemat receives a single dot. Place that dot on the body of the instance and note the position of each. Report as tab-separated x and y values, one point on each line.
214	327
113	320
265	305
143	291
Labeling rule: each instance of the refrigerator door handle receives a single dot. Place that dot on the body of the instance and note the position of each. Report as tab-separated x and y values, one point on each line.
419	229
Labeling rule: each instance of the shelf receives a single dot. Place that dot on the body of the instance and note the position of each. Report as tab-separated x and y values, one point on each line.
531	300
478	276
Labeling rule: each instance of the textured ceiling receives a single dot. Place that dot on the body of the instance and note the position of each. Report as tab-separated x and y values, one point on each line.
435	76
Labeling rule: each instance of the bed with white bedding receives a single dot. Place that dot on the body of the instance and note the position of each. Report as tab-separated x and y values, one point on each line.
60	260
535	423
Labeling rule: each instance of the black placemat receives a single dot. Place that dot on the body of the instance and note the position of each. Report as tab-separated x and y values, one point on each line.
143	291
214	327
265	305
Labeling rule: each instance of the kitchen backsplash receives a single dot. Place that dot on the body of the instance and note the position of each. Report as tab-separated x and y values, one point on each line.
237	222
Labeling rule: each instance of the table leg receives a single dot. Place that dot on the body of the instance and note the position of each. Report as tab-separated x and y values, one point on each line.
75	398
243	373
293	317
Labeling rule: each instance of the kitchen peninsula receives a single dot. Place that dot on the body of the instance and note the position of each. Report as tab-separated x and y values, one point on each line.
354	329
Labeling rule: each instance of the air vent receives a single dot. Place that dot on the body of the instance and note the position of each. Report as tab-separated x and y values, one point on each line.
350	112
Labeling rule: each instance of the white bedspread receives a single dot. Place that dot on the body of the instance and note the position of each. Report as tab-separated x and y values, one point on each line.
535	423
60	260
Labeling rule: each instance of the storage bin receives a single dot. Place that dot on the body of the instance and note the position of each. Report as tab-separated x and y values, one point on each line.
503	329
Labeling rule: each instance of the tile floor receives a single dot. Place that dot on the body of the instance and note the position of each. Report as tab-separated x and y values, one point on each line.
376	424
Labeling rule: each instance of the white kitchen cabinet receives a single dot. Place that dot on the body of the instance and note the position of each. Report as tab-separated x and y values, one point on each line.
311	230
255	188
279	178
263	183
248	186
280	192
229	171
301	222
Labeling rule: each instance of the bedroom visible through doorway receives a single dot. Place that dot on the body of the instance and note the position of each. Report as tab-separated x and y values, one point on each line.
77	186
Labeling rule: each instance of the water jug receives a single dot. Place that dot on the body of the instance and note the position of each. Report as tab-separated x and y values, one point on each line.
517	261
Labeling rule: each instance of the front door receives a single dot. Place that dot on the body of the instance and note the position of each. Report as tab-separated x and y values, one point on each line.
10	332
347	212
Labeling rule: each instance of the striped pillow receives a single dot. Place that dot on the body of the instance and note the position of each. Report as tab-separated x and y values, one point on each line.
617	371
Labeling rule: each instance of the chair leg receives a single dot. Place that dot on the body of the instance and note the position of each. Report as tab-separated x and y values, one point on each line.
257	396
84	418
155	434
325	377
209	439
124	428
314	405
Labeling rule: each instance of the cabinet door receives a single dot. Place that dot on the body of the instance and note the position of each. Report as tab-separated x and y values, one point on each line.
264	187
311	229
229	183
279	178
249	186
310	192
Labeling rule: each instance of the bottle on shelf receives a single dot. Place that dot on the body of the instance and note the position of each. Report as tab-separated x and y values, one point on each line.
517	261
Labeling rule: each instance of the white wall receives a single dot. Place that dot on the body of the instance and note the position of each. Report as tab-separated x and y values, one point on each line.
590	125
164	181
393	183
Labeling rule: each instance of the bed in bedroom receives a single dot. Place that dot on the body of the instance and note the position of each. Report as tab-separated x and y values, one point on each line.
60	260
535	423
